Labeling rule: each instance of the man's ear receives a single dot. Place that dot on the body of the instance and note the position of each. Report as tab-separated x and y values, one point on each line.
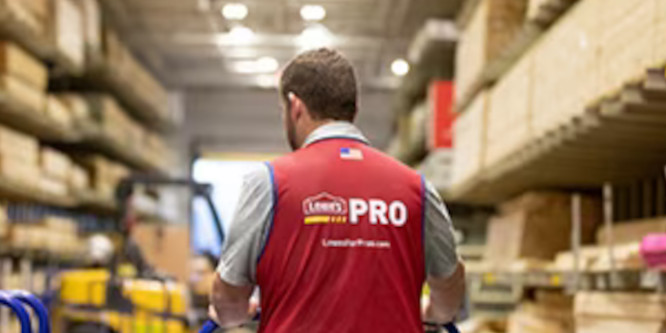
297	107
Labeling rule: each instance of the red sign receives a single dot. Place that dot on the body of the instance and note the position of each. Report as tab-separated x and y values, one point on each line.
440	96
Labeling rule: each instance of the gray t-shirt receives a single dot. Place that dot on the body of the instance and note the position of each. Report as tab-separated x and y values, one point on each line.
253	215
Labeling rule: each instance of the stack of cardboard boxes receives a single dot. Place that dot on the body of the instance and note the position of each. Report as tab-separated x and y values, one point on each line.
105	175
56	168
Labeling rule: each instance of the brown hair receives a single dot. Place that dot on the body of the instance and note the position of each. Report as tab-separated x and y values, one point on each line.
325	81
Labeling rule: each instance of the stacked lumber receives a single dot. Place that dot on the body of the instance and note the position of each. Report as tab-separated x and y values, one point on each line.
19	157
22	77
125	65
68	33
4	227
470	140
34	15
566	67
603	312
492	26
113	120
550	312
58	111
509	127
56	235
55	169
537	225
104	175
632	231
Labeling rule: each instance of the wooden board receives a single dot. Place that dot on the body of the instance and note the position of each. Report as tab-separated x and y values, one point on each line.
537	225
508	124
492	26
469	140
632	231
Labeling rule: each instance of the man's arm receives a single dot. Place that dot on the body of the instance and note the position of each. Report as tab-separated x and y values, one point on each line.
229	303
247	235
445	271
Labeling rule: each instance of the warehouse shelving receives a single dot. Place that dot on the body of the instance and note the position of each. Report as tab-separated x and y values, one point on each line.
617	139
99	75
27	120
13	189
38	44
548	12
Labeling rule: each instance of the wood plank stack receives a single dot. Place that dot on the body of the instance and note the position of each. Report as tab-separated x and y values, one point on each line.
566	67
603	312
105	174
551	312
113	120
127	67
491	27
470	140
55	168
19	156
4	226
537	225
33	14
22	77
591	52
509	127
68	31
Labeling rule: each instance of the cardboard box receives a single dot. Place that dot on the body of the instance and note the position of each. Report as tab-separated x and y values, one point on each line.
23	94
54	164
92	22
552	313
27	175
14	61
600	312
537	225
18	146
69	34
55	187
166	247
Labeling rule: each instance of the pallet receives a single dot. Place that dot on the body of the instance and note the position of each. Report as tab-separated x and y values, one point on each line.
619	139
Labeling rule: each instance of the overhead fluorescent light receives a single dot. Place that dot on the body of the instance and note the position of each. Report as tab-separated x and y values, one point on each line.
262	65
241	35
234	11
313	12
315	36
399	67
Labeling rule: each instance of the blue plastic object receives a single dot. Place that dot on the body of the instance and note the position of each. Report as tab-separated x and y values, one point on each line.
210	327
37	306
15	305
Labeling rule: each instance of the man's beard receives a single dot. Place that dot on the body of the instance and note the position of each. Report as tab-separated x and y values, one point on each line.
291	135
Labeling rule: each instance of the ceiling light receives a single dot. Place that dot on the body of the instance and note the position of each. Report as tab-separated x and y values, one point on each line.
313	12
234	11
399	67
315	36
241	35
258	66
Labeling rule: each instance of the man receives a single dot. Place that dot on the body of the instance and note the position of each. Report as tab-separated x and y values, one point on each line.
338	236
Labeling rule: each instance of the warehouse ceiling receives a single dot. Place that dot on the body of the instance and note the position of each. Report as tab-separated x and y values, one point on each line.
189	43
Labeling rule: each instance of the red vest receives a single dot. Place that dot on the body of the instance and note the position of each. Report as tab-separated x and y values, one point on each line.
345	249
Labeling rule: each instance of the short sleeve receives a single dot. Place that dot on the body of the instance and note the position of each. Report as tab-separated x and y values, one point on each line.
248	229
441	258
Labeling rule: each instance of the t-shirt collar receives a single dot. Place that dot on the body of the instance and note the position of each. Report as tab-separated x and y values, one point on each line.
336	129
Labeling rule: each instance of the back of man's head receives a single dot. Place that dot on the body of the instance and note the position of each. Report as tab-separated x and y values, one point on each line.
325	81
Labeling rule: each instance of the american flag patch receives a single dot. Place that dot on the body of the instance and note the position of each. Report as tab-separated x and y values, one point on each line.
351	154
